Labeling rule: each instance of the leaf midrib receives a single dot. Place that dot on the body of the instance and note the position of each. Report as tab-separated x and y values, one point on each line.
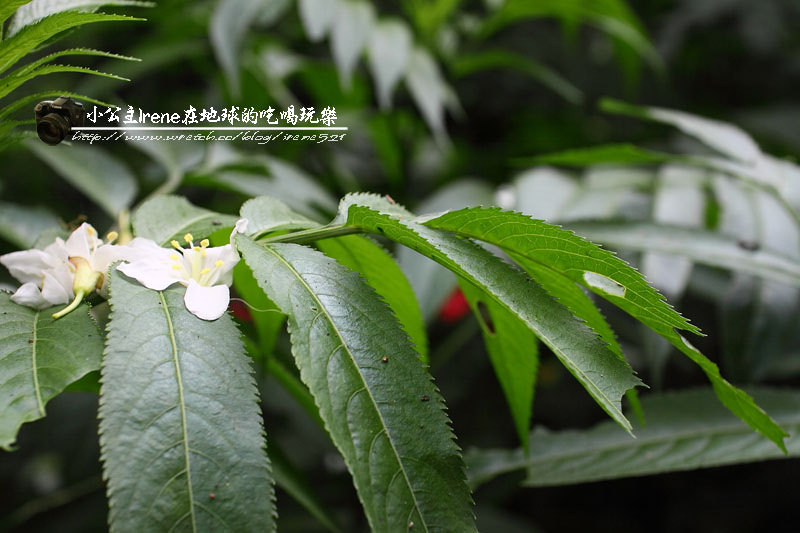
34	365
323	310
181	405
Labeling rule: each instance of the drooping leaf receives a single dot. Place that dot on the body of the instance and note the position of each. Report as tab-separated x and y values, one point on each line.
21	225
96	173
180	429
38	9
317	16
228	26
427	87
351	29
514	353
603	154
599	370
611	278
40	357
703	247
379	405
467	64
22	43
28	99
721	136
168	217
670	442
380	271
388	52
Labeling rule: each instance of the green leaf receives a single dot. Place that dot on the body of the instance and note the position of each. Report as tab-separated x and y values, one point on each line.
266	214
514	353
35	68
26	40
97	174
603	273
168	217
703	247
21	225
600	371
604	154
381	273
180	429
671	441
40	9
466	64
9	7
723	137
40	357
384	415
267	319
26	100
13	81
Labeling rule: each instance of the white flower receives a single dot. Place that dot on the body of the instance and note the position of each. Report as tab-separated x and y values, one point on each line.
205	272
63	271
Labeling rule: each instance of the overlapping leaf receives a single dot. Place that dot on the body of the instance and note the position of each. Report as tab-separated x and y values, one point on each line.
181	432
604	375
40	357
167	217
379	405
608	276
671	441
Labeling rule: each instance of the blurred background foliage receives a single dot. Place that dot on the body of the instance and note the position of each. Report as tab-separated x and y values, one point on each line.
452	103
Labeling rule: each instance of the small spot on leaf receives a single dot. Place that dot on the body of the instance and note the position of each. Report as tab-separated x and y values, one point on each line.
211	496
604	284
425	398
485	317
384	359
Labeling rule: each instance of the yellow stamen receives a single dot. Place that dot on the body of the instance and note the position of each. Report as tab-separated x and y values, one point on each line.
176	267
205	271
196	248
174	257
188	238
90	230
175	244
203	253
219	264
204	243
112	236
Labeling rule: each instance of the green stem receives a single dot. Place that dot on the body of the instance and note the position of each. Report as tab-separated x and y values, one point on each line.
75	303
314	234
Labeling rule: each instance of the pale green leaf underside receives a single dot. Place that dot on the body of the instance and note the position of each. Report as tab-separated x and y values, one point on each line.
179	419
671	441
96	173
602	373
702	247
40	357
381	272
385	417
168	217
21	225
514	353
265	214
600	271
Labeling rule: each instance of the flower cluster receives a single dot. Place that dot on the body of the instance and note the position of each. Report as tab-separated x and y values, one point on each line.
65	272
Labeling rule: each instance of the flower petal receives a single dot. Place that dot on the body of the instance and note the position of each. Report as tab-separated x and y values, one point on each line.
152	273
240	227
208	303
28	265
57	287
82	241
224	272
29	295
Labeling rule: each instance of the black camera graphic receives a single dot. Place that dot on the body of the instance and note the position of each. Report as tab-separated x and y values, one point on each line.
55	118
